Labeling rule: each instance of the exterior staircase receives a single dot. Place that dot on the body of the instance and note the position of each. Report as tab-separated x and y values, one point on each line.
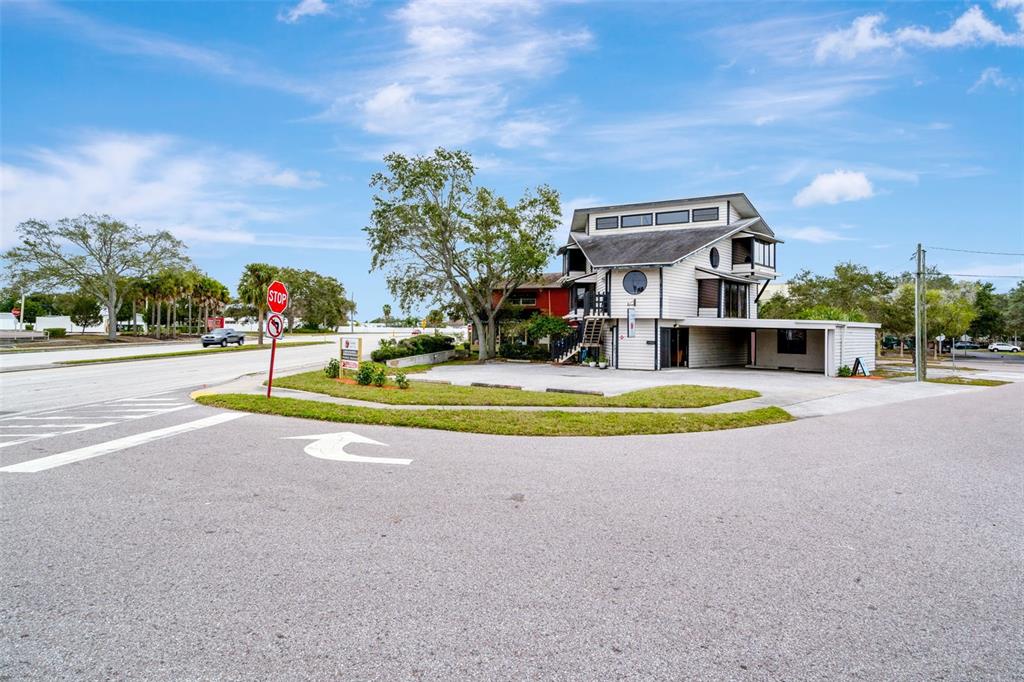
588	335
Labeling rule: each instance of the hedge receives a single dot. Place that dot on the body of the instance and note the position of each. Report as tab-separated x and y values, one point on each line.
416	345
56	332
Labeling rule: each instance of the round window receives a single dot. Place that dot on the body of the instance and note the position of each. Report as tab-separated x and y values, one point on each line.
714	258
634	282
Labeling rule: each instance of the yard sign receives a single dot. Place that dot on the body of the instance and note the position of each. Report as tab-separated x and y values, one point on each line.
351	351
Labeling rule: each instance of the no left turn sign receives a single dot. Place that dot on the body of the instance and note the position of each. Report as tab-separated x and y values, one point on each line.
275	325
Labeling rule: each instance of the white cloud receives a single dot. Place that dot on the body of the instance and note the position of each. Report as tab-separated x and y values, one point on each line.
158	181
994	77
835	187
455	77
866	35
305	8
862	36
816	235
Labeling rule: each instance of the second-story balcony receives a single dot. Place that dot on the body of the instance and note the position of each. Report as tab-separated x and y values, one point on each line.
592	304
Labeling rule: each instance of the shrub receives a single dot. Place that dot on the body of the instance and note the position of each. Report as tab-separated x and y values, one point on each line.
517	351
417	345
30	327
56	332
845	371
371	373
333	369
401	380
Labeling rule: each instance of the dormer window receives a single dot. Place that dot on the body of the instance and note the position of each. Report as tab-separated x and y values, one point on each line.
701	215
637	220
672	217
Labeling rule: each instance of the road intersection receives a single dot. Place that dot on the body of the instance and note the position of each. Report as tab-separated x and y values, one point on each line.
182	542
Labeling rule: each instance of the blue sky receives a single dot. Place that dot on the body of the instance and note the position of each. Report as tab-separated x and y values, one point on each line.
251	129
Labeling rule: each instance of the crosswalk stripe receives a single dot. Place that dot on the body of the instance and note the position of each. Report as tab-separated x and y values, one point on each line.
90	451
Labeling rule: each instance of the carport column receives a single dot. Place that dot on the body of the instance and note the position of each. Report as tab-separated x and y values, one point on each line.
828	352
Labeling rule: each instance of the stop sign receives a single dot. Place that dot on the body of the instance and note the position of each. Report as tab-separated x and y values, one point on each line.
277	297
16	312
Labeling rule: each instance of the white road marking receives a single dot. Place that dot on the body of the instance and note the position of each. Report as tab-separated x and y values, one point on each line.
49	426
332	446
43	463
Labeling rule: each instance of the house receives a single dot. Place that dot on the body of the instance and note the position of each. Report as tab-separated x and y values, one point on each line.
676	283
546	295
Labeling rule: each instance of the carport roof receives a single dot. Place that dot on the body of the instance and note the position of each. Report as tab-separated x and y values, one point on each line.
759	323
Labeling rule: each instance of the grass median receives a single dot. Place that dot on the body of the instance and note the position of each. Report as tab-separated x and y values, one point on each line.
185	353
504	422
966	381
424	393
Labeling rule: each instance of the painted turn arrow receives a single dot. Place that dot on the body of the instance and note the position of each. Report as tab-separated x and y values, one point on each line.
332	446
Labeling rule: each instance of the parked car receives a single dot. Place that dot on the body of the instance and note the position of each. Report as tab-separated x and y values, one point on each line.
966	345
416	332
222	337
1004	347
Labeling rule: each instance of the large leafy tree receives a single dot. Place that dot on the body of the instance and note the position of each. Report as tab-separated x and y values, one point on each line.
252	289
988	308
316	299
441	240
95	254
1013	312
852	288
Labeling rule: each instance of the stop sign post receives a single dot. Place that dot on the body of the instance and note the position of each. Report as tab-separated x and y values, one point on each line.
277	301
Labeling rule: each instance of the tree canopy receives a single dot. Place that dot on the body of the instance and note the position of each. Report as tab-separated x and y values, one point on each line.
95	254
441	240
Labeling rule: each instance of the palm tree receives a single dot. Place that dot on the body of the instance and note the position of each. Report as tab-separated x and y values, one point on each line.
252	288
387	313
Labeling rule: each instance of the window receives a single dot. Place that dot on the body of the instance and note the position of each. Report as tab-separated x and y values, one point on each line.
707	293
793	341
638	220
704	214
607	223
575	261
634	282
734	299
672	217
764	253
715	259
523	299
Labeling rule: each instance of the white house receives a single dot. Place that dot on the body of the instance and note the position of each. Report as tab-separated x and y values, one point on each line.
677	283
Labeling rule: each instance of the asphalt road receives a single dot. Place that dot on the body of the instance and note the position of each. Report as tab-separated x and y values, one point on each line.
76	385
878	544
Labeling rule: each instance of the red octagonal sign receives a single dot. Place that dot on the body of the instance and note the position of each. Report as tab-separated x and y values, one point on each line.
277	297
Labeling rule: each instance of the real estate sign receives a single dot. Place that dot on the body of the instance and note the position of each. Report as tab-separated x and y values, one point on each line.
351	351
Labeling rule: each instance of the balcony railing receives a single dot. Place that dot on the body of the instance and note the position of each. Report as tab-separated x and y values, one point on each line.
560	347
594	304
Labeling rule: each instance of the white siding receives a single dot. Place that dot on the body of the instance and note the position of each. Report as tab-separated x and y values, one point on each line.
768	356
850	343
722	217
681	280
718	346
636	353
646	303
608	341
734	215
752	301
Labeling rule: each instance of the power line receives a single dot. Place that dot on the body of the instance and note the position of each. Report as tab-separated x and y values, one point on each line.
987	253
974	275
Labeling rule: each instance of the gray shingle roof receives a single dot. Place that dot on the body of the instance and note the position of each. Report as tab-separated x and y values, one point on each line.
653	247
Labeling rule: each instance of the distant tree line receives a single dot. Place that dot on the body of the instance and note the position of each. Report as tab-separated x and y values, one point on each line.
77	266
854	293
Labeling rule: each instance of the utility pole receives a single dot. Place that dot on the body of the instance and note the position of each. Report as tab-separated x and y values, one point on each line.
920	320
21	312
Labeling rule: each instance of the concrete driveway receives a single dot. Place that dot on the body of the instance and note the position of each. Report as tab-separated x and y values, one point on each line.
802	394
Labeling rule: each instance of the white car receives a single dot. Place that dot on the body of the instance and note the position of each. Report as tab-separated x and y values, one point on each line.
1005	347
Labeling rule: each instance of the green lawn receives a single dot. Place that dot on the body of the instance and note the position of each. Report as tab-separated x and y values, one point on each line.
198	351
964	381
424	393
504	422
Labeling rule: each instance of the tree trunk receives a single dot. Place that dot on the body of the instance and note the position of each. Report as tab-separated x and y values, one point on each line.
481	349
111	314
133	316
158	320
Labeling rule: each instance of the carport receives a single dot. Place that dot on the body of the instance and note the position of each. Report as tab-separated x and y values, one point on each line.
802	345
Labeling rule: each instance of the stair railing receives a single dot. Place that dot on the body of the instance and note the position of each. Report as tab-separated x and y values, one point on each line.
560	347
